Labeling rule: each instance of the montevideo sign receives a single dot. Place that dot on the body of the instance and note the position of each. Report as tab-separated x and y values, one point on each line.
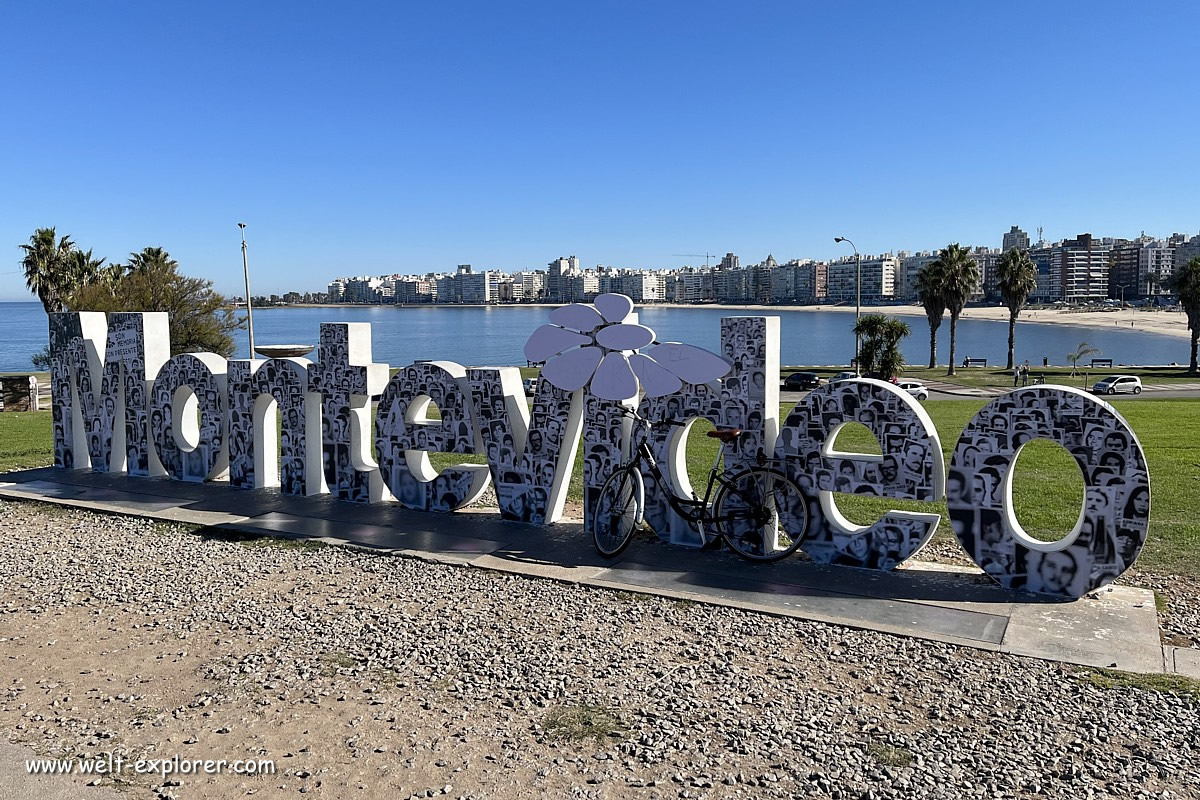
122	403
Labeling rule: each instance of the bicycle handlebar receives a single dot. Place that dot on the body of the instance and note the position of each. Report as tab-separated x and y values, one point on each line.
675	423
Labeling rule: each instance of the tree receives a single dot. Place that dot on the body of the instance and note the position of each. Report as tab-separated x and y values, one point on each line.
880	335
151	258
958	280
1083	351
930	293
199	317
1186	285
82	269
47	272
1017	277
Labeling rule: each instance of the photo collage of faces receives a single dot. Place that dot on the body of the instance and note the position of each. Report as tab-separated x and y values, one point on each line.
453	433
197	464
126	364
124	377
337	380
906	471
603	438
1116	496
524	481
736	401
287	383
66	354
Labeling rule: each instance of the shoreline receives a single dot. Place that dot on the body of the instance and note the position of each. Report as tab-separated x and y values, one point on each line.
1166	323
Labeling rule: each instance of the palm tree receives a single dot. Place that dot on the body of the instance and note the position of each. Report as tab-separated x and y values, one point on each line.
880	336
46	269
150	258
929	292
1083	351
1186	284
959	280
1017	277
83	269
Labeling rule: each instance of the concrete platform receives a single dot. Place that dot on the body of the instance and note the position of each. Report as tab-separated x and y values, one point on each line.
1116	627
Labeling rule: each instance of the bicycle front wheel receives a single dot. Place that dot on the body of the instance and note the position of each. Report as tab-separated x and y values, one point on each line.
617	512
761	514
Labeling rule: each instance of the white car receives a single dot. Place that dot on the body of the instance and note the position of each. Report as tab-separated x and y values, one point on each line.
843	376
530	385
915	388
1115	384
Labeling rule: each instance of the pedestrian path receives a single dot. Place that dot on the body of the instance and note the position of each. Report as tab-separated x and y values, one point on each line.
993	391
1171	387
1114	627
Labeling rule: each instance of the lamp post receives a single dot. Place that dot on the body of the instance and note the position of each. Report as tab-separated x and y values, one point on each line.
249	305
857	301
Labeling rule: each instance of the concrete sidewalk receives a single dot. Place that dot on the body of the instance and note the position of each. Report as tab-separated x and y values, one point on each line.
1116	627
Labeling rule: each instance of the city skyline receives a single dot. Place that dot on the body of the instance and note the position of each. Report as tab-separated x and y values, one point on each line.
321	281
504	135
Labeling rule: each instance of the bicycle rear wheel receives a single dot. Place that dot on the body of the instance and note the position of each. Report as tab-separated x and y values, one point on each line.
618	511
761	514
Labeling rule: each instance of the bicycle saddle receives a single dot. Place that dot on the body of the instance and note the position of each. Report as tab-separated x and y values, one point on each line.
726	434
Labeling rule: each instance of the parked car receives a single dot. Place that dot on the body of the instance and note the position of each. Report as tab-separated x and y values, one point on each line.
530	385
1115	384
844	375
799	381
915	388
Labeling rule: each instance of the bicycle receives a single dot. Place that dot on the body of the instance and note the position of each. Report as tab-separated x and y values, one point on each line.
758	512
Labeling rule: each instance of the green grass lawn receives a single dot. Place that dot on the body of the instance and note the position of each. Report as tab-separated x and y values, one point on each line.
1047	493
997	376
26	440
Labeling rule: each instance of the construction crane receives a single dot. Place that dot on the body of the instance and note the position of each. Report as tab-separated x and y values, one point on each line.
705	256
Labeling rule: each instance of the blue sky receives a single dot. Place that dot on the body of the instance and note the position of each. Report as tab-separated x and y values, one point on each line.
372	138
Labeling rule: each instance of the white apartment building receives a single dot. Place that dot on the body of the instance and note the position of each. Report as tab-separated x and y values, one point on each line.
1079	268
878	279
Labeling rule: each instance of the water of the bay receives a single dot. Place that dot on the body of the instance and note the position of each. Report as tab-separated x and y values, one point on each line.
495	336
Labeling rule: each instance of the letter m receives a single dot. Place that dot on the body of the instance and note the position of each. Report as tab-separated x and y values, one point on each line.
101	370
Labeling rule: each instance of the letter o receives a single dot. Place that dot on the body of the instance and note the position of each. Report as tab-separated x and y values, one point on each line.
187	382
1112	524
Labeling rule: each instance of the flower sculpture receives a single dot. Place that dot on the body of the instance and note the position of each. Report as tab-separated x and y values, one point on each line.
599	346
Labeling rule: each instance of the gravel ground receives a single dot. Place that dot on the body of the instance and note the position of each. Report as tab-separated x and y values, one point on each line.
373	676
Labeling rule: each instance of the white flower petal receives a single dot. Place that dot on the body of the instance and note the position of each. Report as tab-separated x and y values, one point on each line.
573	369
615	379
550	340
690	363
614	307
656	381
624	337
577	317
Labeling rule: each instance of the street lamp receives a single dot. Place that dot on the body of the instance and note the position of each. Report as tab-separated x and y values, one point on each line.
249	305
857	301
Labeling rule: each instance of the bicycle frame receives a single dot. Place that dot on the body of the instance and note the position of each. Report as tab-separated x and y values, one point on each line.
695	509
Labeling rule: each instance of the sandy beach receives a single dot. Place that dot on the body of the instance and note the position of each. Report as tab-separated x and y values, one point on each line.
1169	323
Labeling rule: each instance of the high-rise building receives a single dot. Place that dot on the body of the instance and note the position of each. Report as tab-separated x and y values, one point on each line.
1156	265
1185	252
987	259
336	292
1046	290
1015	239
1123	262
558	278
878	279
811	281
906	276
1079	267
